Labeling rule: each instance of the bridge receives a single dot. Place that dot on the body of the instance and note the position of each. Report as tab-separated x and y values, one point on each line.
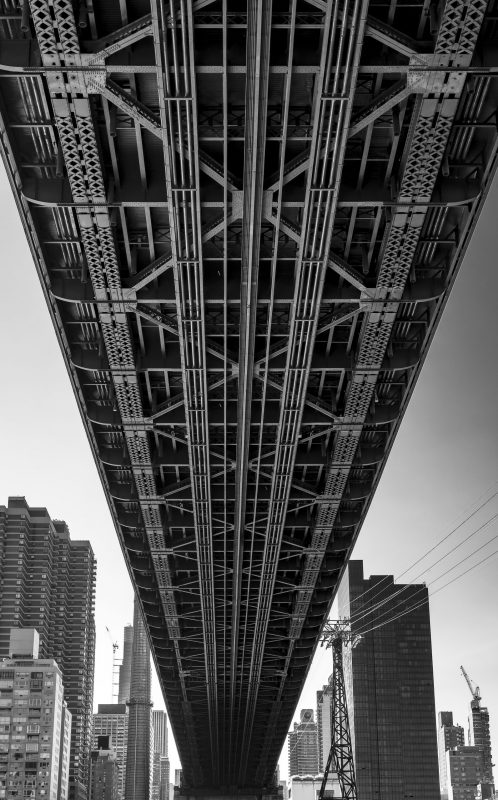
246	218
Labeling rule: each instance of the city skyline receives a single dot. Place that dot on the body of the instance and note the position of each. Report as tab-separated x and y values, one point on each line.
421	495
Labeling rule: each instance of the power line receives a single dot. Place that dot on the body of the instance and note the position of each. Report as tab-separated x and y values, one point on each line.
357	616
428	552
431	594
441	541
408	586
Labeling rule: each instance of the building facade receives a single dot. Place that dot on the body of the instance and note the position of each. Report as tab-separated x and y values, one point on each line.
449	736
303	745
111	720
324	723
48	583
104	772
138	781
160	771
463	770
35	727
307	787
390	687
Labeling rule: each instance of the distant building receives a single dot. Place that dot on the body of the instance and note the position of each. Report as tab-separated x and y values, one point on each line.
160	770
463	770
178	777
160	726
138	781
35	724
111	720
164	776
307	787
125	668
324	723
390	687
104	772
48	583
449	736
303	745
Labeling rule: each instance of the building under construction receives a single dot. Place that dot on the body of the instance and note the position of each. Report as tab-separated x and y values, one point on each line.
480	737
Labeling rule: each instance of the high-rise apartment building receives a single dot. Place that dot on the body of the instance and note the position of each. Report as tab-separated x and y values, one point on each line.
35	724
449	736
104	772
48	583
111	720
138	782
324	723
125	668
390	687
303	745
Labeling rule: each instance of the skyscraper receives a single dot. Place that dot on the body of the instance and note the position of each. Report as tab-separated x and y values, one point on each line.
125	668
48	583
303	745
35	723
324	723
111	720
390	687
139	756
160	776
449	736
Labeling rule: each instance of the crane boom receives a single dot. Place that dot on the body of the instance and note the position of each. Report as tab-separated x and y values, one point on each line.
475	692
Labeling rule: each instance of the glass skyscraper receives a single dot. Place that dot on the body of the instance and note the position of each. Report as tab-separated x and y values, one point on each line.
390	687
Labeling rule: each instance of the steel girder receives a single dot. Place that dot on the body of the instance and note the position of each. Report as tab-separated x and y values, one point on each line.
246	220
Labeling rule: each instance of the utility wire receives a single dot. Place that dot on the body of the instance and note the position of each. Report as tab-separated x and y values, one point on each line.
359	614
431	594
441	541
368	612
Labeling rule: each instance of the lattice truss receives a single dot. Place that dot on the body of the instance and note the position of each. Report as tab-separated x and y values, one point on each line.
246	218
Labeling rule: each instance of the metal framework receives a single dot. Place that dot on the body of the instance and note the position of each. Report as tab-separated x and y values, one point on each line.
246	217
338	635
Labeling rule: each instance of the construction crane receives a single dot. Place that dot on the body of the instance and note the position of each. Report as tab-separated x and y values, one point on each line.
475	692
115	667
337	634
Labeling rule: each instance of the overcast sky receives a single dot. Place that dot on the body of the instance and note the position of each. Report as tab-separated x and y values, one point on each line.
443	464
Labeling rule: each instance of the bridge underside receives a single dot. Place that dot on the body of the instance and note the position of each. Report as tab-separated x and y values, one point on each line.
246	218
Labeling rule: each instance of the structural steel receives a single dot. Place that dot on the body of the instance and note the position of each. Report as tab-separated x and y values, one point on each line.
246	218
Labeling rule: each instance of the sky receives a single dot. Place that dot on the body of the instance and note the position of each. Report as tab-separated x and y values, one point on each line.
442	467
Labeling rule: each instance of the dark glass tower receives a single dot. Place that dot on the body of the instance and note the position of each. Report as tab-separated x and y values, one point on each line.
139	752
48	583
390	688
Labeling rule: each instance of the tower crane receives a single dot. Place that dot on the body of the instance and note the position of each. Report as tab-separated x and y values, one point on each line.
475	691
115	667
